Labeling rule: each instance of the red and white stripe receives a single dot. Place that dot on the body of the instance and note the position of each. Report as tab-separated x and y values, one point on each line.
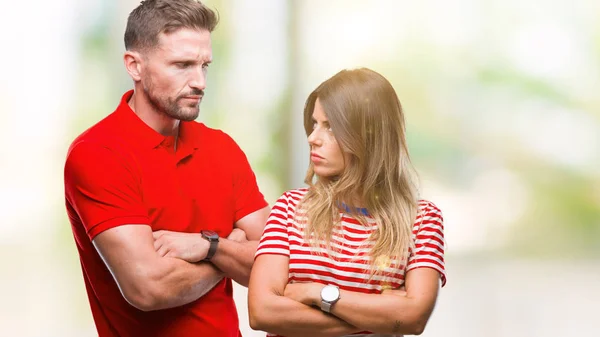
347	264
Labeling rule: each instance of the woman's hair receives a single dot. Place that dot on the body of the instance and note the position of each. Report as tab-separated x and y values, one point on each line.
368	123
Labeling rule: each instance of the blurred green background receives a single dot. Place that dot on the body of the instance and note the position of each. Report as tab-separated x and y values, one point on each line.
503	115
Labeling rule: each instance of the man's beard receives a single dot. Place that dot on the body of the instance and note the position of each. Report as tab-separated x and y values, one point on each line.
172	106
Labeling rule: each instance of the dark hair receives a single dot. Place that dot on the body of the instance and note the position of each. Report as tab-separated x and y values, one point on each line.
153	17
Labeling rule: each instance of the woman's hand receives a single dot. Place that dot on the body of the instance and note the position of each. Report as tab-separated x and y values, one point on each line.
308	293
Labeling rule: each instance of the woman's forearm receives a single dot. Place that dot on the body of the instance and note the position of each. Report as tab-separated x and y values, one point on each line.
284	316
382	313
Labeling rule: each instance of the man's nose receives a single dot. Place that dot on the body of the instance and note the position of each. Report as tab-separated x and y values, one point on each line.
199	79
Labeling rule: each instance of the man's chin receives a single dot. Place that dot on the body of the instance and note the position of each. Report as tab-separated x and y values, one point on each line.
188	118
186	114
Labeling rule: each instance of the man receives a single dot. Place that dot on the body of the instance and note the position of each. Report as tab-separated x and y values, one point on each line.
165	211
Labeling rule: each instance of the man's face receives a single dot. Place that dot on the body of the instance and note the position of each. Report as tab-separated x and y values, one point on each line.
174	73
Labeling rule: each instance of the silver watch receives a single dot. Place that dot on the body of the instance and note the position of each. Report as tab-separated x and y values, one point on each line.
329	295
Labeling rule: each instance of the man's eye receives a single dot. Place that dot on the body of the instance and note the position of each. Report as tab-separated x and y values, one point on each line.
205	66
182	65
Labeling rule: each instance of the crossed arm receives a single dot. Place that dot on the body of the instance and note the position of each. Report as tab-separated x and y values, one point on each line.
153	270
270	310
146	280
152	273
292	309
235	254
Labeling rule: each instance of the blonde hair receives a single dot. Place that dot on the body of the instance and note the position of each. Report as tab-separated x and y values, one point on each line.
368	123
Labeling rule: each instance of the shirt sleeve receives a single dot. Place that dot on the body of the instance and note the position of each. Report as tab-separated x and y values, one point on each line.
429	239
101	186
275	238
248	198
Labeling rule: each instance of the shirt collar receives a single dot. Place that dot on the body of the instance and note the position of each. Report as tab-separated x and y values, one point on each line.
138	132
190	134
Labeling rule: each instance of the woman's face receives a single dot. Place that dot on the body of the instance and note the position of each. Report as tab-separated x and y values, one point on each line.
326	155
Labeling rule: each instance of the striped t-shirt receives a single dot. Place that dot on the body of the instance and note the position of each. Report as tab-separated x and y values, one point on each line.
347	264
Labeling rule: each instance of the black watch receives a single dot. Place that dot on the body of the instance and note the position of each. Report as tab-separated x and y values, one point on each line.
213	238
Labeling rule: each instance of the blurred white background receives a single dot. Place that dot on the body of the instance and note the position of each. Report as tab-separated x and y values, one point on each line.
503	112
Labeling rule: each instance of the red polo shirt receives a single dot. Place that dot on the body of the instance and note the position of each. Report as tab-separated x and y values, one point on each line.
120	171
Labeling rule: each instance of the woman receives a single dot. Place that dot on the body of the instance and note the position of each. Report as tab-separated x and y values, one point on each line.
355	253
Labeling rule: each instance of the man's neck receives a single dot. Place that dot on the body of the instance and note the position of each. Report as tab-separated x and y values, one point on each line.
158	121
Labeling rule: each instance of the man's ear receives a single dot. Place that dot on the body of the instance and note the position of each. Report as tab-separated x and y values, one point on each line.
133	64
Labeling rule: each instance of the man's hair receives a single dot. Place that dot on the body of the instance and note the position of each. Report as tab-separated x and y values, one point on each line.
153	17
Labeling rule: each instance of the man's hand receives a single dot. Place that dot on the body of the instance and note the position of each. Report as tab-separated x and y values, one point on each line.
190	247
308	293
237	235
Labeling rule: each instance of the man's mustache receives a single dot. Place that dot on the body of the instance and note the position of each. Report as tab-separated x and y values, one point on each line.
195	92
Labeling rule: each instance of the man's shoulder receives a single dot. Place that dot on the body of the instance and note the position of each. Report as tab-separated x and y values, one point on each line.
102	134
218	139
210	134
109	129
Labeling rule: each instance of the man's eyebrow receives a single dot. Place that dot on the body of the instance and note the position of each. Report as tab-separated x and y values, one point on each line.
189	58
182	59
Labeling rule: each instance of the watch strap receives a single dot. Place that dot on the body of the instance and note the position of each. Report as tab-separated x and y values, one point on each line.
326	306
212	249
213	240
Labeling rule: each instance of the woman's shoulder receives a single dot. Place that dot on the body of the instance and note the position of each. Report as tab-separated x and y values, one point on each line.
428	212
297	193
427	206
293	196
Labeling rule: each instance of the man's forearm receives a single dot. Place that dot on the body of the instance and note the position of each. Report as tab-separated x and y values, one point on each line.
174	282
235	259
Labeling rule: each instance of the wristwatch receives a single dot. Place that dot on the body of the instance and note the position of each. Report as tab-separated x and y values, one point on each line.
329	295
213	238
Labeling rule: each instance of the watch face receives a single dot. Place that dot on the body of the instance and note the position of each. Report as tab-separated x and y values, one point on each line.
210	234
330	293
